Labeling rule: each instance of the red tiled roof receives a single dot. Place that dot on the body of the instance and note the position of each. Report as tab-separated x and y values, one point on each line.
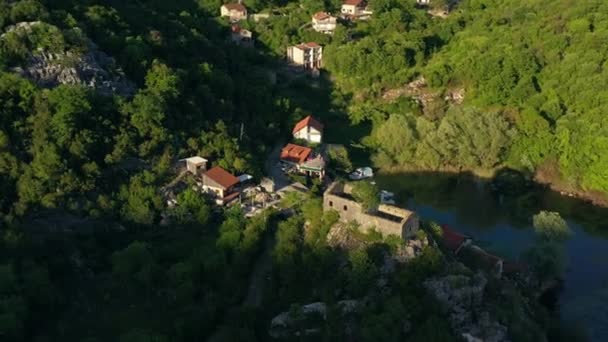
309	45
236	28
222	177
353	2
451	238
308	121
229	198
321	15
235	7
295	153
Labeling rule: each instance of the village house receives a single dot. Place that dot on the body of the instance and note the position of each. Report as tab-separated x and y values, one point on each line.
386	219
323	22
355	9
241	36
308	129
303	160
236	11
195	165
307	55
221	185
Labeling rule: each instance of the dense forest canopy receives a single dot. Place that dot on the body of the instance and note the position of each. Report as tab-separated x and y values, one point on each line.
519	84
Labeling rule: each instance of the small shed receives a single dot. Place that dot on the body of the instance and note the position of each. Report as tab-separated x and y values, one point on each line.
196	164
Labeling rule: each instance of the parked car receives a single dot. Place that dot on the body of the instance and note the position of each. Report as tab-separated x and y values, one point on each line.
387	197
361	173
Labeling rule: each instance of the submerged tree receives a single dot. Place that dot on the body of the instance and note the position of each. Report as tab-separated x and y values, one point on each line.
547	256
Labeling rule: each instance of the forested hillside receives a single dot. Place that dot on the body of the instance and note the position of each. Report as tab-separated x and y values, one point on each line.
533	75
99	99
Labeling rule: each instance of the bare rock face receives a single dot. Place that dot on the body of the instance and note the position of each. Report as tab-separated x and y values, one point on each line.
282	324
455	96
25	26
462	297
93	68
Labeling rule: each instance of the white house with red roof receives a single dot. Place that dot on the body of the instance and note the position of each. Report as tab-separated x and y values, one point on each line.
323	22
308	129
355	9
308	55
235	11
220	184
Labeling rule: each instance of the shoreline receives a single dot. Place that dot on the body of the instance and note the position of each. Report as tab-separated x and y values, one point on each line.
552	183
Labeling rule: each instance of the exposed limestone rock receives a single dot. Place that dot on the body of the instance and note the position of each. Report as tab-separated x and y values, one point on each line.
25	26
340	236
285	321
462	297
455	96
93	68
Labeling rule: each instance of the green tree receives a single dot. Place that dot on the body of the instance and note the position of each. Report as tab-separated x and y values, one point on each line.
551	226
367	194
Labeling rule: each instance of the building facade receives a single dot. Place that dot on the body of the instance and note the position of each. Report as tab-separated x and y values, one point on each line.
196	165
236	12
308	129
387	219
323	22
307	55
220	184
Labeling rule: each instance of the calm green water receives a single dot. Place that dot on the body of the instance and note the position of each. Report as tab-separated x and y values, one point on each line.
502	224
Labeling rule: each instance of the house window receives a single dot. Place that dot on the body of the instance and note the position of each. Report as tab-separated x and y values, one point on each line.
331	203
345	208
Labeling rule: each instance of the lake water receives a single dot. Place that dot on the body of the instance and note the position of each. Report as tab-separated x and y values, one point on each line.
503	225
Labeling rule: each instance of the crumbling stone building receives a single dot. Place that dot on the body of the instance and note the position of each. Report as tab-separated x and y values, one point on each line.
387	219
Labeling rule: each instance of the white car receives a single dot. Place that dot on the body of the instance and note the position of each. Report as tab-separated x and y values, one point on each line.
361	173
387	197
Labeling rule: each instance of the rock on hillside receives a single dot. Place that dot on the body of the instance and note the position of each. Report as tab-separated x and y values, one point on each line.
93	68
462	296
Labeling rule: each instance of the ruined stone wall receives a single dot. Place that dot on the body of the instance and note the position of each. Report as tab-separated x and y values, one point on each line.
350	210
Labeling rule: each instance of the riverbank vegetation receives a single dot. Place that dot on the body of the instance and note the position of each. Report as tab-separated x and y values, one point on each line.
506	83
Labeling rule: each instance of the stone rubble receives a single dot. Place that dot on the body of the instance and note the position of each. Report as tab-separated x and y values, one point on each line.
281	323
462	297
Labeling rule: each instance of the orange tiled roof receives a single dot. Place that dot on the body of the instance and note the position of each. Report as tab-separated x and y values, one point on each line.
308	121
222	177
353	2
295	153
235	7
321	15
309	45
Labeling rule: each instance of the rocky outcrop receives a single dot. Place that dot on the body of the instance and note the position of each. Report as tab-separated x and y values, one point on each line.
25	26
462	296
93	68
284	323
341	236
427	99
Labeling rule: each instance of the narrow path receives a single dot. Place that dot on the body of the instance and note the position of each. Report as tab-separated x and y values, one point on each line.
273	170
261	271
